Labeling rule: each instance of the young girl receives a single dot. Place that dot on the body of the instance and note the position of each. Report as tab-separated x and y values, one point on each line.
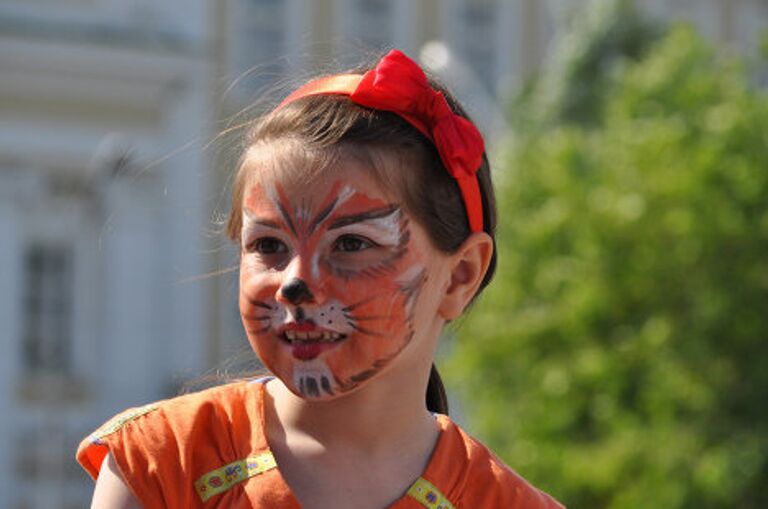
365	214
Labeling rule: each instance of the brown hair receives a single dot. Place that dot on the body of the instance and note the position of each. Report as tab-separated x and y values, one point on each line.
327	124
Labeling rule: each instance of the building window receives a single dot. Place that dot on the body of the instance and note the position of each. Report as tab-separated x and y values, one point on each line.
47	308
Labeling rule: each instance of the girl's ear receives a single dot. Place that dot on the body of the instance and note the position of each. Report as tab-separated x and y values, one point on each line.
468	266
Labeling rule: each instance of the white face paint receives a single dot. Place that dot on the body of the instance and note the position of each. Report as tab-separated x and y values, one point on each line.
345	193
359	281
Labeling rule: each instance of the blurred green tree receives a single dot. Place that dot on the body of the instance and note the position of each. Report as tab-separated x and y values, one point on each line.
596	41
620	359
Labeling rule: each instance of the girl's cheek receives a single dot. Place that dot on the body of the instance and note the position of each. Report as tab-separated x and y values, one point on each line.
256	283
352	290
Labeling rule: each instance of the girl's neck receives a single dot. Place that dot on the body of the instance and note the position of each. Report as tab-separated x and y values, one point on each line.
327	450
368	419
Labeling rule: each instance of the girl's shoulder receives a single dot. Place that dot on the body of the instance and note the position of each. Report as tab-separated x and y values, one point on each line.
174	441
474	476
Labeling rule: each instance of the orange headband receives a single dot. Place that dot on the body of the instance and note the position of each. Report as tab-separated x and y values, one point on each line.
397	84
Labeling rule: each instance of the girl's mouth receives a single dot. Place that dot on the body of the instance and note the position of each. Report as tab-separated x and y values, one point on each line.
296	336
306	341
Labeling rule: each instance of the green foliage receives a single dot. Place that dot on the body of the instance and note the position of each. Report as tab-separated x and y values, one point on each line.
763	45
620	359
601	40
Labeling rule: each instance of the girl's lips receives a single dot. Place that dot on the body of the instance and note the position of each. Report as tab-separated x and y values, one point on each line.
306	341
308	351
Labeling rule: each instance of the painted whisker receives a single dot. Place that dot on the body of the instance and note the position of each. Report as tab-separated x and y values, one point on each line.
260	304
258	318
364	318
356	305
365	331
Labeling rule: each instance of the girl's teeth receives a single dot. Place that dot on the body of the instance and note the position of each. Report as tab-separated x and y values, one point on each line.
328	336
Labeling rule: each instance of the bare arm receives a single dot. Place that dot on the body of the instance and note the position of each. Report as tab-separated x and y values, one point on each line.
111	491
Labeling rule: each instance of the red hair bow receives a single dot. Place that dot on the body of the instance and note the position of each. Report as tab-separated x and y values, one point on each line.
397	84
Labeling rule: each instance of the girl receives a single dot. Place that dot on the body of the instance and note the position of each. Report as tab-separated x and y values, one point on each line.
365	214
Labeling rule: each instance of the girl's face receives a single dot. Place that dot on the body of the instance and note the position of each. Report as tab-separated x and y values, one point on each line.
336	280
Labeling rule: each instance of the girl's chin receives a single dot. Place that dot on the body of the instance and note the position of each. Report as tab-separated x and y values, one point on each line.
303	370
318	397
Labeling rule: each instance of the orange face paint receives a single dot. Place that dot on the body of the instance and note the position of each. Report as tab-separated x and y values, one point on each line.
328	285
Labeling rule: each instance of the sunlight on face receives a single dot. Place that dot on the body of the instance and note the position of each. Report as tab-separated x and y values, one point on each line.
329	280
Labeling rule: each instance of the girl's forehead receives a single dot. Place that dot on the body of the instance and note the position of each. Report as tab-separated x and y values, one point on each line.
302	172
284	160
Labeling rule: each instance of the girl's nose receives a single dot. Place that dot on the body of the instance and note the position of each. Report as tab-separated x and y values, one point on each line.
296	292
301	284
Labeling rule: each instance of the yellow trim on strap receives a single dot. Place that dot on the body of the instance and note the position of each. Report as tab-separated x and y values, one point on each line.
428	495
121	420
222	479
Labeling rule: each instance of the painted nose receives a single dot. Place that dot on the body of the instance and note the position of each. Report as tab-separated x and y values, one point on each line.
296	292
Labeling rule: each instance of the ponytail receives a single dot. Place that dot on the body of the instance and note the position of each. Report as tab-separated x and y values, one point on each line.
437	401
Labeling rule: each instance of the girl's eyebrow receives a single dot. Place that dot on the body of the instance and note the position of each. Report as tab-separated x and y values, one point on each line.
368	215
252	219
267	223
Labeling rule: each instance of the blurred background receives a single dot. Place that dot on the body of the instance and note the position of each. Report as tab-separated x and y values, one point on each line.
619	360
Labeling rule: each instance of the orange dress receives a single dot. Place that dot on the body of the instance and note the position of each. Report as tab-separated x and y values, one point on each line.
208	449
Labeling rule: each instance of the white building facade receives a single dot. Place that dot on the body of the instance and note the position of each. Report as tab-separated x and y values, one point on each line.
102	207
110	191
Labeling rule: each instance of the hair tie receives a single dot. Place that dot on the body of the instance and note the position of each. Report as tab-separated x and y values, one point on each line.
397	84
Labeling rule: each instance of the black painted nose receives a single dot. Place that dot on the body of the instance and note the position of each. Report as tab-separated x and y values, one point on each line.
296	292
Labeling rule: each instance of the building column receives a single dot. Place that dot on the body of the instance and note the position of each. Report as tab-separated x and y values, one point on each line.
298	34
529	25
509	54
405	26
186	224
131	348
11	330
727	20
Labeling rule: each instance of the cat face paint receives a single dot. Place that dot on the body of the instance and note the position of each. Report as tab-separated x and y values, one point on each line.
328	284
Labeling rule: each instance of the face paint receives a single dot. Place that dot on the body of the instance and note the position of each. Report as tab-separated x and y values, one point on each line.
328	286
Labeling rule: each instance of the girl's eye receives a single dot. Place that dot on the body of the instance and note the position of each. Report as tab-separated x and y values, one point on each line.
352	243
268	246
